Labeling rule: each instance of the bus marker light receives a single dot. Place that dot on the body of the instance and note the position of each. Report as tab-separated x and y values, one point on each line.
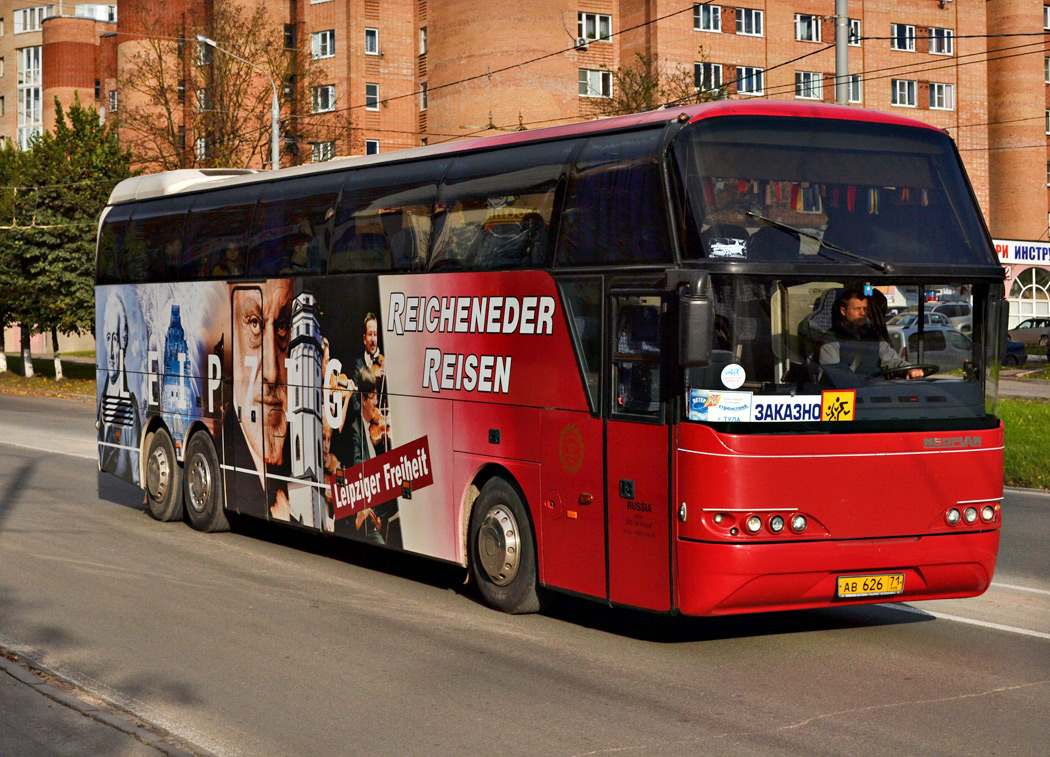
798	523
570	514
776	524
952	516
754	524
987	513
970	515
682	513
585	498
718	516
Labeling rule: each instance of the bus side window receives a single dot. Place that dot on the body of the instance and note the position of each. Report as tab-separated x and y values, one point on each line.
217	234
111	246
289	210
613	208
636	356
583	304
383	219
153	246
498	208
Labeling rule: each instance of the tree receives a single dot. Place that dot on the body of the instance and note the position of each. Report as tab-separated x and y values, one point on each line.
61	186
188	105
10	283
647	86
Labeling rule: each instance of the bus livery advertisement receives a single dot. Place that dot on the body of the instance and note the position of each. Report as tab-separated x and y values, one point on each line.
643	360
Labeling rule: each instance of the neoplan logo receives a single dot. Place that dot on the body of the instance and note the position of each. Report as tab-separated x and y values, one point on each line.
951	442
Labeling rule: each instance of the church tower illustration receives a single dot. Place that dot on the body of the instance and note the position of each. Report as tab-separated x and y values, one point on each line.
306	501
177	388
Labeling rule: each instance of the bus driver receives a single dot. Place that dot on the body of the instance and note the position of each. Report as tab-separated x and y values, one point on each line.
856	344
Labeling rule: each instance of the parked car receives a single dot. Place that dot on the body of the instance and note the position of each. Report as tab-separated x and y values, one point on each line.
942	346
1016	354
1031	331
909	319
959	313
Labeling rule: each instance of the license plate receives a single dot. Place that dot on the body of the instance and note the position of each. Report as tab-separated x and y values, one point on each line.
870	586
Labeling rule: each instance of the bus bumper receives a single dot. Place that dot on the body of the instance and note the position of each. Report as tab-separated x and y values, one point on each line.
725	579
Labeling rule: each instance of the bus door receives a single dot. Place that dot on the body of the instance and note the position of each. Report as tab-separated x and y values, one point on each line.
638	455
243	440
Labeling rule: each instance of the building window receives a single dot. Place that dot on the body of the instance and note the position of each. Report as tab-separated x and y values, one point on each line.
1047	119
707	76
423	95
809	85
749	80
371	147
942	96
98	89
202	100
322	151
201	148
182	91
594	27
856	91
423	41
707	18
29	19
1046	17
289	36
113	101
371	42
1048	173
323	44
595	83
902	37
903	92
324	98
1046	69
30	113
749	22
97	11
371	97
807	27
854	32
941	41
3	109
2	67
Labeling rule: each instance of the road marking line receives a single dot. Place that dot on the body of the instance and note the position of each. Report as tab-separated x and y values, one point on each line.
973	622
1021	588
51	450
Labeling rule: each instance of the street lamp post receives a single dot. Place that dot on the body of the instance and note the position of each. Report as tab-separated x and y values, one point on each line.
275	107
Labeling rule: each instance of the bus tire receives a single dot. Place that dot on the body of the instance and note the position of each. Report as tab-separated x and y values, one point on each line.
163	478
502	550
202	488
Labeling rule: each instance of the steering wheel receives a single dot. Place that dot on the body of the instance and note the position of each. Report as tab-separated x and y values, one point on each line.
928	369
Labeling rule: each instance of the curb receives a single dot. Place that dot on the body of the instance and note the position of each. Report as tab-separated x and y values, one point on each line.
147	737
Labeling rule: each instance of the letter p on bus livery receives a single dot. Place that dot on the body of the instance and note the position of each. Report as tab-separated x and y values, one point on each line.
643	360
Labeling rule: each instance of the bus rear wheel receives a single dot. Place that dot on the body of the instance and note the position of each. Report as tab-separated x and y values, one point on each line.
203	485
502	550
163	478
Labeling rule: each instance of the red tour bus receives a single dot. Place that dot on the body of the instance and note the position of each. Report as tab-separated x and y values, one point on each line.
642	360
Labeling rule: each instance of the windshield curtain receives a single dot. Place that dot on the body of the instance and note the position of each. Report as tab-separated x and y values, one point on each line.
887	193
795	350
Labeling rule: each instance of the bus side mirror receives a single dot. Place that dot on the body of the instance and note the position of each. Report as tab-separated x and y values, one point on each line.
696	324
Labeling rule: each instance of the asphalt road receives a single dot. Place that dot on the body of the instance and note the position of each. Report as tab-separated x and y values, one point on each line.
267	642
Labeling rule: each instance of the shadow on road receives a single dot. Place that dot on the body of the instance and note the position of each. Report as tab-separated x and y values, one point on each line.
119	492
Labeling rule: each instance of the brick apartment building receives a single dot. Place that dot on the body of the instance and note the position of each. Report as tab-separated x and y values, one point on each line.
392	74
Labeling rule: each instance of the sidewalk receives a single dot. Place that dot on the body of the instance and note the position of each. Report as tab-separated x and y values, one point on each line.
40	720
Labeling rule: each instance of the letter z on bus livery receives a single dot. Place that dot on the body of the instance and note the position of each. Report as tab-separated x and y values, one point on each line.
643	360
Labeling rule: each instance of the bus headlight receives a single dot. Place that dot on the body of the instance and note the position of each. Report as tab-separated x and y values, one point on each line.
798	523
776	524
952	516
987	513
753	524
970	514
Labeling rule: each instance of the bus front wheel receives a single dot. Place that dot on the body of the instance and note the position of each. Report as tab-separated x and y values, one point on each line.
203	485
502	551
163	478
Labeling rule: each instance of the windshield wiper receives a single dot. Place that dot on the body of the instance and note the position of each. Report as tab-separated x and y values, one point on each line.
876	264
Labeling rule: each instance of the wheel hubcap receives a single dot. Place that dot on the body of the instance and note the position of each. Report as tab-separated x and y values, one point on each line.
158	474
199	483
499	545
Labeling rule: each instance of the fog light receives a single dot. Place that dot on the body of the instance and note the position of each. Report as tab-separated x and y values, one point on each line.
987	513
970	515
776	524
798	523
718	517
754	524
952	516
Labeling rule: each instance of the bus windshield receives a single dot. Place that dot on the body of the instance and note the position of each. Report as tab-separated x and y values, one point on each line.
767	189
786	347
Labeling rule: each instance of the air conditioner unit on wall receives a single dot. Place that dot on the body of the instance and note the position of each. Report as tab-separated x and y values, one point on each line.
582	43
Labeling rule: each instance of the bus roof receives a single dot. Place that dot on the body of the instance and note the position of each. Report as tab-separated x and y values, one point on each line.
184	180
